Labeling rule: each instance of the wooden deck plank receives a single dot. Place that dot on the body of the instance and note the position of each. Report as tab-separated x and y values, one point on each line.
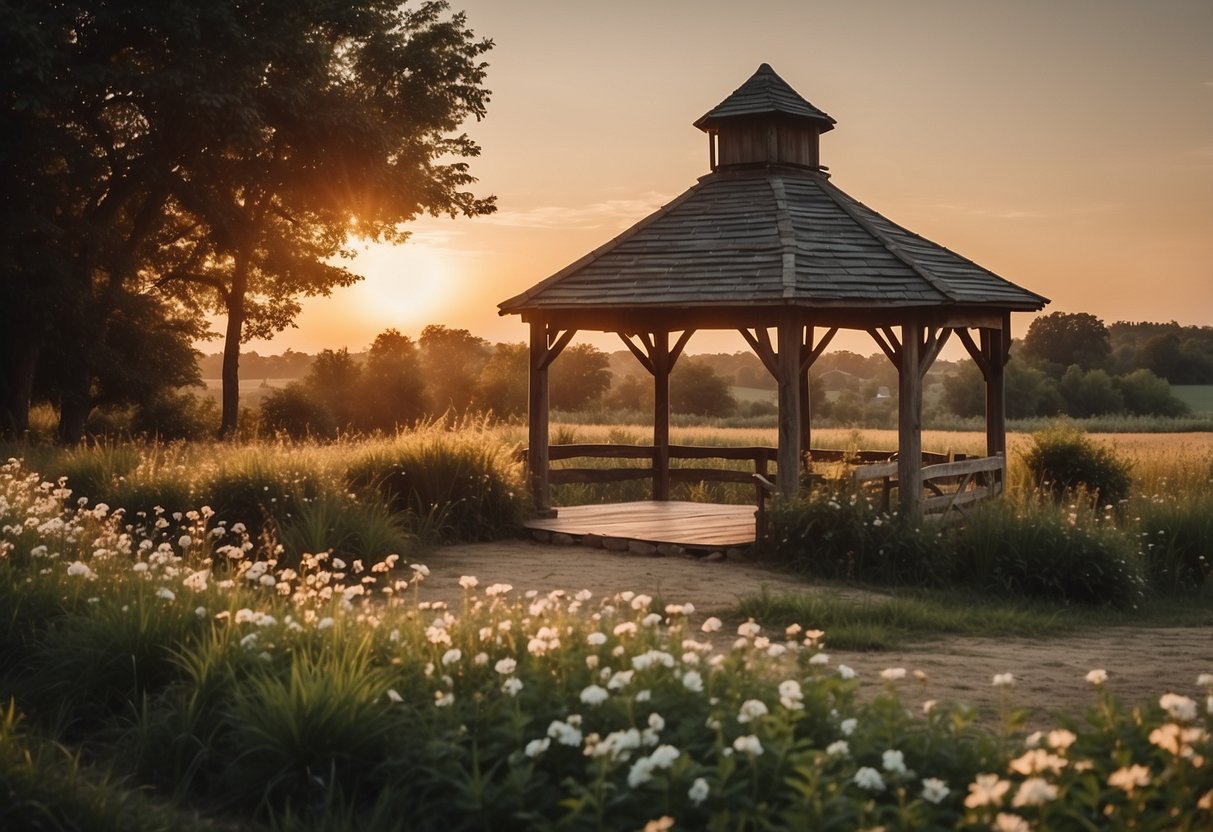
696	525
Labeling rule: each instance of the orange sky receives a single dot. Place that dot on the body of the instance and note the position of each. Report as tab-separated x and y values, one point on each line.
1067	146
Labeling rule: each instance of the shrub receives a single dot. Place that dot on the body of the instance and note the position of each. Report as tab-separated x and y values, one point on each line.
464	477
1043	551
294	411
1063	459
1176	541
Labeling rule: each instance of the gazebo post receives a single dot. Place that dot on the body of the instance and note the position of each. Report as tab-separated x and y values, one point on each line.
537	419
661	415
788	357
909	417
997	346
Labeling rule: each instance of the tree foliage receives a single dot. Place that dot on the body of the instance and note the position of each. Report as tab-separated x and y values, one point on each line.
1059	339
696	388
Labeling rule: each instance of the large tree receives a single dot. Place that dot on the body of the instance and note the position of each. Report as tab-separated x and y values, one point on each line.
218	147
1059	339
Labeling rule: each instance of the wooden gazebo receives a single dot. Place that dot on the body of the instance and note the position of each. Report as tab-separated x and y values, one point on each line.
766	243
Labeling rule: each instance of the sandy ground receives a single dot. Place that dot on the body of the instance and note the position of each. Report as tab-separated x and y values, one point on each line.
1050	674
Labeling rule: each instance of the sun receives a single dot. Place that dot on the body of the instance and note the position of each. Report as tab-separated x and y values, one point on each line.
406	286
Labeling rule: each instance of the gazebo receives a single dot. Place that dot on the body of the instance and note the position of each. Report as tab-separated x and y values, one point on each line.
767	245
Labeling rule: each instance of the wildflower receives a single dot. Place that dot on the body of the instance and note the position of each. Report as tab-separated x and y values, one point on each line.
660	824
846	672
893	674
468	582
443	700
847	726
986	790
200	612
651	620
498	589
751	709
451	656
934	790
594	695
627	628
790	695
621	679
641	602
748	744
838	748
185	541
564	733
1129	778
596	639
641	772
166	593
505	666
1007	822
711	625
1180	708
929	705
325	623
1205	680
393	696
1061	739
1097	677
819	658
80	570
699	791
1034	791
893	761
1037	760
511	686
1002	680
748	630
692	681
536	747
868	778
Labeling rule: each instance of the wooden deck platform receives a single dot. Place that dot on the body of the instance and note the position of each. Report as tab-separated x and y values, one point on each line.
692	525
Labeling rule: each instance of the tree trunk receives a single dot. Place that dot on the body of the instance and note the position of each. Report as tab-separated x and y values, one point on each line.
76	403
231	349
18	362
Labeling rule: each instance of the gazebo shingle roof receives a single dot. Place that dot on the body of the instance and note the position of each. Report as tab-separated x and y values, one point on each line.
770	236
764	93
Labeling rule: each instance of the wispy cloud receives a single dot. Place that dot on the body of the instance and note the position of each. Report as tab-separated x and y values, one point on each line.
609	213
1022	213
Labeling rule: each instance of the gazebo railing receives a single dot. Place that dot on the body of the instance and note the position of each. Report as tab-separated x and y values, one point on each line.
949	485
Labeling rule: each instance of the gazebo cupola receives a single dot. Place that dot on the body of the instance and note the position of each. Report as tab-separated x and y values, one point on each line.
764	122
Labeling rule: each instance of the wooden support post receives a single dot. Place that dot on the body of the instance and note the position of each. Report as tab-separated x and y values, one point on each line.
997	347
790	344
909	419
537	420
660	357
806	430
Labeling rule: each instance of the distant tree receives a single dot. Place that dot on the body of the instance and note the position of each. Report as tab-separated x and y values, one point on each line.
1089	393
295	411
391	389
1029	392
630	392
334	382
696	388
1057	340
579	375
1146	394
502	386
452	360
1177	359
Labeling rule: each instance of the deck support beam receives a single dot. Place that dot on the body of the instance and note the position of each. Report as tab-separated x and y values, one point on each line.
546	343
788	360
909	418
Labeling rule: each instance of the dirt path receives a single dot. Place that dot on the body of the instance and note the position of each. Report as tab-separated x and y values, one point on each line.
1050	674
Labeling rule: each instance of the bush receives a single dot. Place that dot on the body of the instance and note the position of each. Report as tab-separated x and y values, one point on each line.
1063	460
1176	540
1043	551
294	411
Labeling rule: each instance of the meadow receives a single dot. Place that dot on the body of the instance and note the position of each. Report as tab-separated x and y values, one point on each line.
240	636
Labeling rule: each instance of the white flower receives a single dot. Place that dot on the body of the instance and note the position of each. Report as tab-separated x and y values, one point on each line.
751	709
893	761
451	656
641	772
468	582
748	744
505	666
443	700
663	756
1034	791
819	658
1205	680
594	695
564	733
78	569
838	748
596	639
868	778
393	696
711	625
498	589
934	790
847	726
749	629
621	679
1129	778
692	681
892	674
846	672
986	790
185	541
699	791
1180	708
1097	677
651	620
511	686
790	695
324	623
166	593
536	747
1002	680
1008	822
641	602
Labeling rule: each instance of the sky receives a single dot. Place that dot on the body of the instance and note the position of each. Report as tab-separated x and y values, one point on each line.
1066	145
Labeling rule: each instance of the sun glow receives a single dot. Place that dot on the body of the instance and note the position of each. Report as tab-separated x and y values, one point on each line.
405	286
